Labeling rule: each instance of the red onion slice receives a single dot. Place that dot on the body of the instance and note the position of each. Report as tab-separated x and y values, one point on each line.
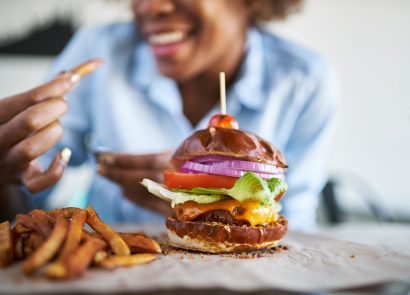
231	163
192	167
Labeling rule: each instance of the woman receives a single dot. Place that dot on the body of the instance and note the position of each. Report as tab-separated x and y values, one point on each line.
159	83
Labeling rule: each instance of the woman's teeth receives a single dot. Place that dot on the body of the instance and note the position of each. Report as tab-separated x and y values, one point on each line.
166	38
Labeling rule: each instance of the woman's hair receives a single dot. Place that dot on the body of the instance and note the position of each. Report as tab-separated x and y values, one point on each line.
267	10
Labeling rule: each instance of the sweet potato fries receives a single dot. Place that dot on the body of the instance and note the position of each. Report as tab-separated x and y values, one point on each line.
57	243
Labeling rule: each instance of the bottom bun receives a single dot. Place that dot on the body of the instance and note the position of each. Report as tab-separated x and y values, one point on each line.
217	237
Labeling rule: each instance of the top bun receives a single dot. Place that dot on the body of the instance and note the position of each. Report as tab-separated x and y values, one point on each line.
235	143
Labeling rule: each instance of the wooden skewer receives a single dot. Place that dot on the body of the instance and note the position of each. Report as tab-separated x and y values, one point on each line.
222	92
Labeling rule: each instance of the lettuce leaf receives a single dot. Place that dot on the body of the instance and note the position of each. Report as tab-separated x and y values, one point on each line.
249	187
277	186
179	197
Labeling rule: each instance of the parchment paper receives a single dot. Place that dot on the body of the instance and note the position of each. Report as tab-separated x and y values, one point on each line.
313	263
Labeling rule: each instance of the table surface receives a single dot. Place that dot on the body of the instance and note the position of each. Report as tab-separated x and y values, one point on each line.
392	237
395	236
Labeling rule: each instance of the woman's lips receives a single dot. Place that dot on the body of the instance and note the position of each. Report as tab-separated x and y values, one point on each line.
166	44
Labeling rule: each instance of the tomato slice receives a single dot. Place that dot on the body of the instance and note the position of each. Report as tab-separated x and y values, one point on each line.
175	179
278	197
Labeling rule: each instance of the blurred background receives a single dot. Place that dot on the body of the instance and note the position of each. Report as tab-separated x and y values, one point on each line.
367	42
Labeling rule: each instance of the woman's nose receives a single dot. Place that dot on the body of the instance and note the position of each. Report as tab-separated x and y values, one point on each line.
153	8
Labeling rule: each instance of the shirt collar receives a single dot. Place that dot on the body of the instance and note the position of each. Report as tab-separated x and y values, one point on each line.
143	70
248	89
158	88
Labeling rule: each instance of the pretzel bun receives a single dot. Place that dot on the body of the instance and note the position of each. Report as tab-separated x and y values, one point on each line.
235	143
215	237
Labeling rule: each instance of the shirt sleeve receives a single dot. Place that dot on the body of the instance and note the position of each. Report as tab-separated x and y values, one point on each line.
76	121
306	150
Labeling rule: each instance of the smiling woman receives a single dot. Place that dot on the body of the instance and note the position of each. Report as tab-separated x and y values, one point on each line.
187	38
159	83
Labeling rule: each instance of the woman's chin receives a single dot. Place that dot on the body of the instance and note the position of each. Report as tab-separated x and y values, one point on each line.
179	72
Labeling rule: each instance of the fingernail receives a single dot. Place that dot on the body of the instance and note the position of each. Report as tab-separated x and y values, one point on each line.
75	78
65	155
106	159
101	169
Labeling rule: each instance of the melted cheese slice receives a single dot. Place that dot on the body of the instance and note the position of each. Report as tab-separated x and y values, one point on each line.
250	211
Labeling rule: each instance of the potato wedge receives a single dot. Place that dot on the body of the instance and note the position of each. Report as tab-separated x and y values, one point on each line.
49	248
66	212
83	257
33	242
28	249
6	244
78	217
74	234
126	261
78	262
20	229
141	244
58	237
137	242
18	248
115	241
99	256
56	270
86	68
44	221
43	217
33	224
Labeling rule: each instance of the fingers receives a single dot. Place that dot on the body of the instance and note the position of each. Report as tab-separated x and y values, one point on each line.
11	106
31	120
36	180
148	161
128	170
143	198
129	178
34	146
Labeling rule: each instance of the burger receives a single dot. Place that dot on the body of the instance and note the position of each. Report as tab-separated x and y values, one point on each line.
224	189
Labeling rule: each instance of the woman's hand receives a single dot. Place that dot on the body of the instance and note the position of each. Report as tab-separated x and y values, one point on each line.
129	170
29	126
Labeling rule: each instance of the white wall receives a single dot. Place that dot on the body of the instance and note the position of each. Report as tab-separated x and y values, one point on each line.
368	42
19	73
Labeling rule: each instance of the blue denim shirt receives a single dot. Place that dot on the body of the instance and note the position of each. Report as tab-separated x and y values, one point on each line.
284	93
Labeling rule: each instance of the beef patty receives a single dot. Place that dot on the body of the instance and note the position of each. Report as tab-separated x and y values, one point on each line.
221	216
